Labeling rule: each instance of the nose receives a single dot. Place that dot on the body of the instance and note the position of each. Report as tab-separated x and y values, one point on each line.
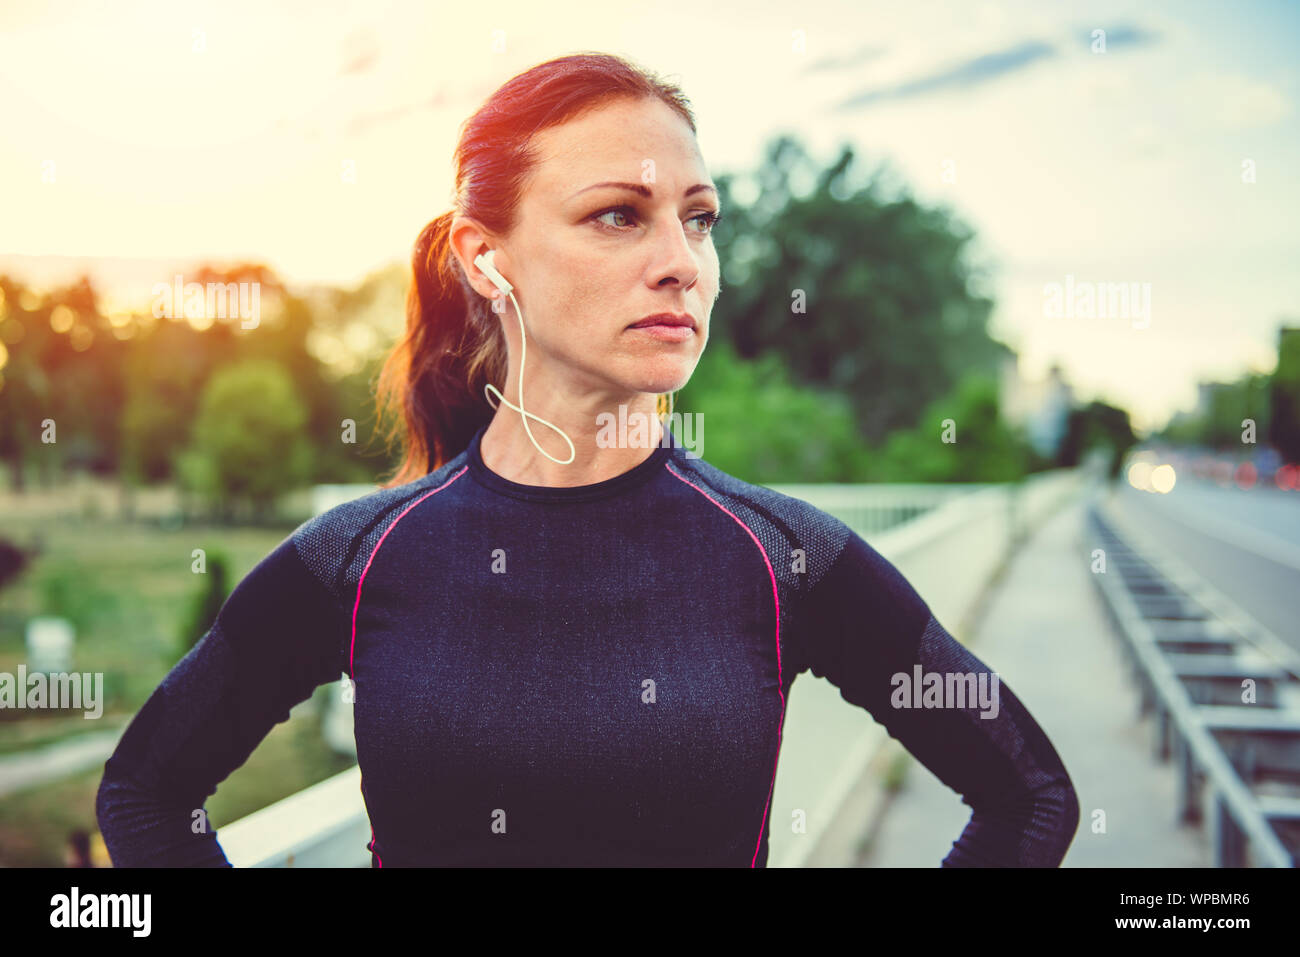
675	259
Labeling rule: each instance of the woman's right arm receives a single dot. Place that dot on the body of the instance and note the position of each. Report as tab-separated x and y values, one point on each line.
279	636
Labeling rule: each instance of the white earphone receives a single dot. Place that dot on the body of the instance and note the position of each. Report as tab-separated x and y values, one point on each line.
485	263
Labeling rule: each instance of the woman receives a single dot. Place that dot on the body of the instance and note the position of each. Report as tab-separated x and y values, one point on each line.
580	653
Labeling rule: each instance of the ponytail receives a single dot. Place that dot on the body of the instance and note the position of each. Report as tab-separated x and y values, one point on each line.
451	348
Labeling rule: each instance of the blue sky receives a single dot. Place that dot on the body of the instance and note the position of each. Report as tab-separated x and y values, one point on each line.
220	130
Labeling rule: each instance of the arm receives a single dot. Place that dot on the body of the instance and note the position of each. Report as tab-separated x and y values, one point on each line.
278	636
865	624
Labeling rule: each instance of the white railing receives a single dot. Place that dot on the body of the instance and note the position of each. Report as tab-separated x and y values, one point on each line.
947	540
325	825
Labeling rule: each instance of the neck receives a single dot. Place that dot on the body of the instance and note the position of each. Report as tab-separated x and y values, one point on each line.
506	449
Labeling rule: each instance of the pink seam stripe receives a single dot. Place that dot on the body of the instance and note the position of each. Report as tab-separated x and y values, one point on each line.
777	601
371	846
357	604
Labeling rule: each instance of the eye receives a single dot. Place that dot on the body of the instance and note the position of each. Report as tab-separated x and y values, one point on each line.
624	211
710	219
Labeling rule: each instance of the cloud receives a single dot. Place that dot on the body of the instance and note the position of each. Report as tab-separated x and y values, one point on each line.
364	121
973	72
1124	35
847	61
980	69
1234	102
360	53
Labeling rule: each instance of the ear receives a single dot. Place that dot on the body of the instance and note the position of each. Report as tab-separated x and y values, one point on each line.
467	239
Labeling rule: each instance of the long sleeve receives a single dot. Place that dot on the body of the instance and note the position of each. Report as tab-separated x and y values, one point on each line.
279	635
868	632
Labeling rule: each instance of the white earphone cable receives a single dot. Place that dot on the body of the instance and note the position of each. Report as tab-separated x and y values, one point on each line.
523	354
485	263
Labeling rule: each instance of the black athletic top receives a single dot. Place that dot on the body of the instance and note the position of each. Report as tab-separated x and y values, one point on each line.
591	675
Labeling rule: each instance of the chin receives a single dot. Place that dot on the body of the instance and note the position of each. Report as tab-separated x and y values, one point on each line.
666	383
663	373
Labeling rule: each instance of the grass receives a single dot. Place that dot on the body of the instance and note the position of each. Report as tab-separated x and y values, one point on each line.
128	587
133	588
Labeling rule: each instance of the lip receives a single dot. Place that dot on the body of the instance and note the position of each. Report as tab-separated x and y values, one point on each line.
665	319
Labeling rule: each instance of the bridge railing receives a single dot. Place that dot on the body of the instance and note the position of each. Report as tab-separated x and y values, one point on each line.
1193	655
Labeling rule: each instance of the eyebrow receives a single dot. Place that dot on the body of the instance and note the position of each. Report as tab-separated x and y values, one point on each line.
644	190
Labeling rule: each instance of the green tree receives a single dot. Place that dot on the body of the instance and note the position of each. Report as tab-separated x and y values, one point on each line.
207	601
1284	396
959	438
1230	405
759	426
1096	425
167	363
248	442
892	313
59	364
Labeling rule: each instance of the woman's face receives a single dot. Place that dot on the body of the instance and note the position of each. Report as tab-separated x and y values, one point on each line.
588	261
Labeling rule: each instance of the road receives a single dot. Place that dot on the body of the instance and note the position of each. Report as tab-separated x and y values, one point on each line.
1245	543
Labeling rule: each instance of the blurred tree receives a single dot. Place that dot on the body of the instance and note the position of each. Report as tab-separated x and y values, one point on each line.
1224	406
209	598
1096	425
61	363
759	426
167	366
26	341
88	379
1230	404
891	318
1284	396
13	559
983	447
248	442
172	360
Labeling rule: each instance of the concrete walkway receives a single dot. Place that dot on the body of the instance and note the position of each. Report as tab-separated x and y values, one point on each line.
1045	631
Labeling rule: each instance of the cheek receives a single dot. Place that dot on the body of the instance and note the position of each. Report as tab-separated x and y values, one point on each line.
570	289
596	293
579	305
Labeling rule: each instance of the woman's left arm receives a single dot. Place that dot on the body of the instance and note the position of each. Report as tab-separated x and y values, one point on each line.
866	630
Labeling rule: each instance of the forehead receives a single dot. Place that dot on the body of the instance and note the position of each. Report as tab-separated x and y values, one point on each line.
613	142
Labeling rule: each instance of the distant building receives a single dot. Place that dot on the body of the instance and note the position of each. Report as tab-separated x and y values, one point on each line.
1205	397
1040	407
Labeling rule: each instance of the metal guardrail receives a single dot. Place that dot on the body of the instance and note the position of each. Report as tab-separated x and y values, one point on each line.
1192	652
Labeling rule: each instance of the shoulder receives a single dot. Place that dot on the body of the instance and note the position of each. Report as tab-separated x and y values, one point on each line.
802	536
823	558
333	542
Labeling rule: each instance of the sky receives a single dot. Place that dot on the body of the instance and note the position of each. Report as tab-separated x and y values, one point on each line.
317	137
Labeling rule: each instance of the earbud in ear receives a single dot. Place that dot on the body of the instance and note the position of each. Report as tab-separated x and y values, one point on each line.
484	261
